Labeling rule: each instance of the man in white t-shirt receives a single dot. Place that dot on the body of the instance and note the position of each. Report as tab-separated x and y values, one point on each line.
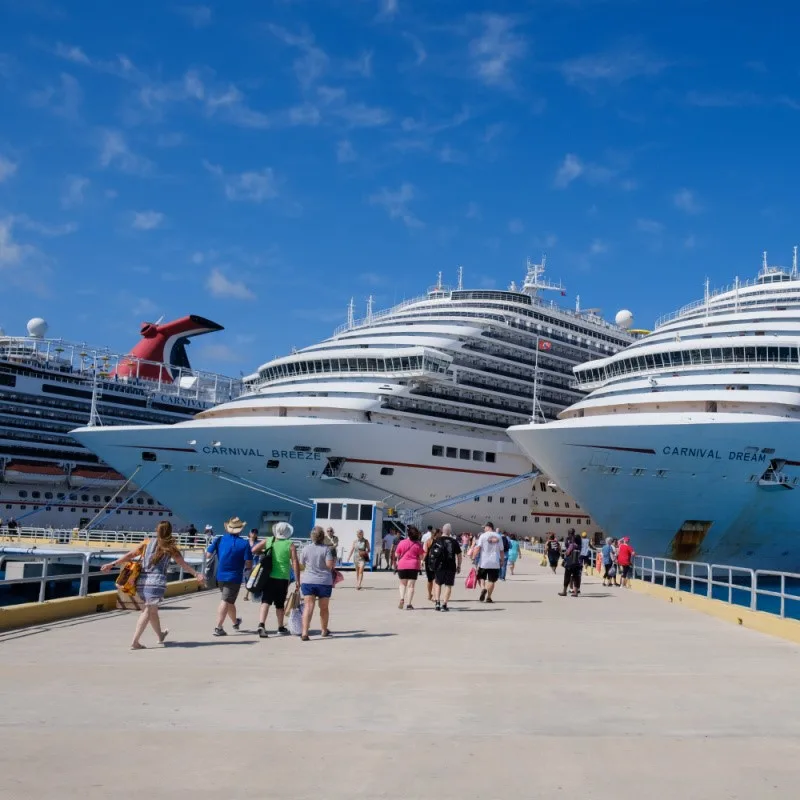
427	535
490	560
386	552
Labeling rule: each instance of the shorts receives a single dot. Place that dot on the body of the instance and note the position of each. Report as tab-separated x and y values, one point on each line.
491	575
229	590
320	590
627	570
445	577
408	574
275	592
430	574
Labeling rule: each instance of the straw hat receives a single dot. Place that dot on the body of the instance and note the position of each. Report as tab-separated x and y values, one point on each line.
235	525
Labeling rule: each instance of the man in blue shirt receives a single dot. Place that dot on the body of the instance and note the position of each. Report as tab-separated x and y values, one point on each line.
234	558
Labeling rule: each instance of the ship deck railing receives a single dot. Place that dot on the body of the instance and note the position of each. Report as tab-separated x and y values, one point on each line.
770	591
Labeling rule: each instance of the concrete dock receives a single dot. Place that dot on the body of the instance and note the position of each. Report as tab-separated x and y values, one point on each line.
610	695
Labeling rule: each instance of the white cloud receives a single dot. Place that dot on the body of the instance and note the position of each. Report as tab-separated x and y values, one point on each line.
685	200
223	287
147	220
396	204
43	229
220	352
255	186
570	169
63	100
345	152
420	53
362	65
359	115
597	247
305	114
473	211
448	155
495	49
170	139
21	264
613	67
515	225
650	226
196	16
388	9
7	168
114	152
72	53
312	62
74	193
690	242
144	307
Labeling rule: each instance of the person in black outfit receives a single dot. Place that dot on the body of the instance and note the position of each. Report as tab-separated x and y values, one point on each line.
553	550
572	565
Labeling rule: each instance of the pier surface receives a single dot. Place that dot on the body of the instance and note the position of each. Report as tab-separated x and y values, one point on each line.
610	695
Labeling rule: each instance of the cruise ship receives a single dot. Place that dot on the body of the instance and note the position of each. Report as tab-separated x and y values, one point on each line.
686	442
49	386
408	406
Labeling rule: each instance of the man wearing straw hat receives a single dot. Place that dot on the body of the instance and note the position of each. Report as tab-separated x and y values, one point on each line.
234	557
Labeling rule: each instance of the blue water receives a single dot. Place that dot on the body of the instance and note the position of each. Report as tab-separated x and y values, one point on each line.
740	593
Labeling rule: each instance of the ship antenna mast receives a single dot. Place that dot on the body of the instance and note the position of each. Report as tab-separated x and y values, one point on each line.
351	310
461	274
369	309
94	416
439	281
794	261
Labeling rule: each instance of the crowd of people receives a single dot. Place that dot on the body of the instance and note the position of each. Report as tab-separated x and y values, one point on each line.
439	554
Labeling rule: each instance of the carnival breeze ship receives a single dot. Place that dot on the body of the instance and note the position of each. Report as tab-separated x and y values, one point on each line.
690	439
409	406
48	386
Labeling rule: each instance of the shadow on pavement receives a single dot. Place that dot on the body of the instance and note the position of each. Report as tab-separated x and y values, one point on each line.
216	643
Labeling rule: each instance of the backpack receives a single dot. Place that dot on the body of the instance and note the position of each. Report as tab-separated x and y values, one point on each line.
440	553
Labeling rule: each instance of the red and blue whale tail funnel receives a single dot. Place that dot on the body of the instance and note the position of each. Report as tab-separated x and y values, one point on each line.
161	353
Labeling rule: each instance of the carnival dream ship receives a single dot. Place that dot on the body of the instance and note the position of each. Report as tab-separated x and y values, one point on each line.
687	442
409	406
48	386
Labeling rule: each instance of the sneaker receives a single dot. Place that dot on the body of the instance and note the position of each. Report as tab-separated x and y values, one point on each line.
483	596
409	607
437	607
489	600
262	633
219	632
445	608
562	594
284	631
237	623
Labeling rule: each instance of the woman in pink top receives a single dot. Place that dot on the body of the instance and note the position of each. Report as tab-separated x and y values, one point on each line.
407	557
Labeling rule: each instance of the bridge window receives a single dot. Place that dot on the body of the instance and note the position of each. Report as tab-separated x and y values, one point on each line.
386	471
366	513
23	493
437	450
85	498
464	454
36	494
452	452
490	457
477	455
96	498
322	510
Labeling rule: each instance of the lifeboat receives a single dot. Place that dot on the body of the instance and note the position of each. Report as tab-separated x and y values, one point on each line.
17	472
85	477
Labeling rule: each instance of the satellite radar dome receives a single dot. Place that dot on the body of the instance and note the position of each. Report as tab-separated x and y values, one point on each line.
37	328
624	318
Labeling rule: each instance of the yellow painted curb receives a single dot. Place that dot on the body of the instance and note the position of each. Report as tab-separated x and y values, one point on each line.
738	615
27	614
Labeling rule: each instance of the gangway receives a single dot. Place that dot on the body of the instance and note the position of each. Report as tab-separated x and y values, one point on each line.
409	516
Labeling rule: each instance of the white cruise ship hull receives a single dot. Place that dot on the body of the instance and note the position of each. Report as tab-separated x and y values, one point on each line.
209	463
647	475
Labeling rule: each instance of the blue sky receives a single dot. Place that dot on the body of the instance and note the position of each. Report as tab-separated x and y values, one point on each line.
262	162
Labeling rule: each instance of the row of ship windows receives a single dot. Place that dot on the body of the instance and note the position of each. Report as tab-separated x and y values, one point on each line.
328	365
688	358
84	497
24	506
455	452
567	520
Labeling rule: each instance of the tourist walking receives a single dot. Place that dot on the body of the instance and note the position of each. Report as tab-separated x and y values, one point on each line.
491	558
283	558
155	555
386	552
361	549
572	565
252	540
586	552
408	556
318	561
514	552
625	554
233	558
445	557
553	551
430	572
607	555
